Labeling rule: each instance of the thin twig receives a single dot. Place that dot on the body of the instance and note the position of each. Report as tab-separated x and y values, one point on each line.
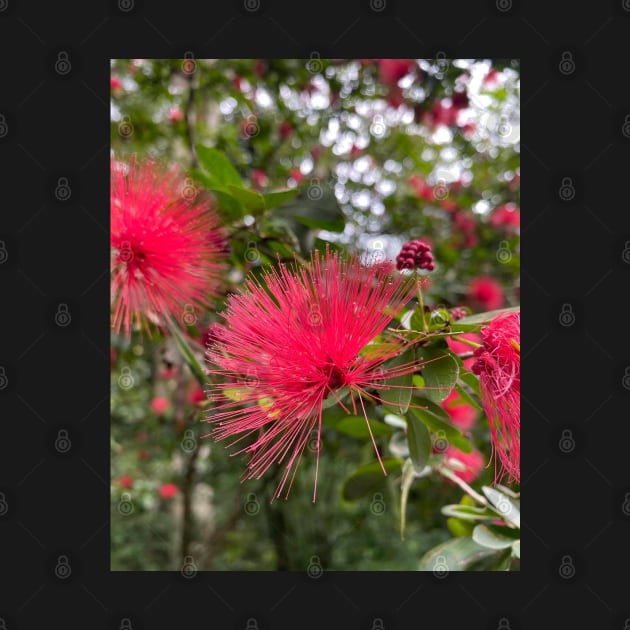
449	474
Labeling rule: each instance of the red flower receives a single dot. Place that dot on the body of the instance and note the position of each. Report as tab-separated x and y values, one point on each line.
259	178
491	79
115	84
175	114
166	247
423	190
507	216
461	413
168	490
390	71
196	395
486	293
295	341
499	368
285	129
296	175
160	404
472	461
125	482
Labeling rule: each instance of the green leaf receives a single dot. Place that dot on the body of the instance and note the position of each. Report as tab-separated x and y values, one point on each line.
278	197
468	512
251	200
473	321
437	420
405	485
416	322
493	536
332	225
187	353
458	554
419	443
458	528
218	167
466	397
368	478
439	371
356	426
504	505
230	207
397	396
516	549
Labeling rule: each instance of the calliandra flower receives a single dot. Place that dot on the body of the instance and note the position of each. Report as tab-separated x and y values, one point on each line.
498	366
471	464
297	340
166	246
486	293
462	414
168	490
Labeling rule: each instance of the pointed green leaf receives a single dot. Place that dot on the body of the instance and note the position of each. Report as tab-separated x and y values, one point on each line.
419	442
474	321
405	485
278	197
439	371
251	200
397	394
493	536
516	549
505	506
457	554
189	356
468	512
230	207
218	167
356	426
437	420
331	225
368	478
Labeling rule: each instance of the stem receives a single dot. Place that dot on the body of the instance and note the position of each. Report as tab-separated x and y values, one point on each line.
468	342
449	474
189	127
187	487
421	307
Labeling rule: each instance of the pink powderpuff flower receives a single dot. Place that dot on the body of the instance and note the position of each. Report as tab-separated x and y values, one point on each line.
390	71
175	114
166	245
507	216
473	463
297	341
160	404
498	366
168	490
462	414
485	293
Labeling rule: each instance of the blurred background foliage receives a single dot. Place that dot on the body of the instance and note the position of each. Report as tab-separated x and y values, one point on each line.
377	152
